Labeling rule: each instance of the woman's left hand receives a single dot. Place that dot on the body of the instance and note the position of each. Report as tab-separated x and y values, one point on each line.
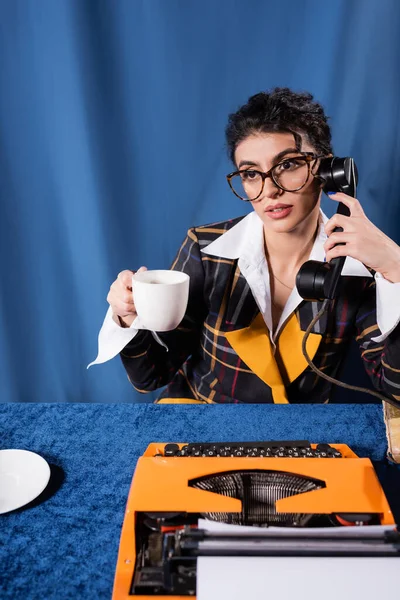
362	240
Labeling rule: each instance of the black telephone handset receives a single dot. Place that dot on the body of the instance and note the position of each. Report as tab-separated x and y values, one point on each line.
319	280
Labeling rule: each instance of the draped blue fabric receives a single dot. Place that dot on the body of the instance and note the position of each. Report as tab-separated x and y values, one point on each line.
112	116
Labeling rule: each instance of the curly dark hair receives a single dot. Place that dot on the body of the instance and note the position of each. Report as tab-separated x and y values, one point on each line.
280	110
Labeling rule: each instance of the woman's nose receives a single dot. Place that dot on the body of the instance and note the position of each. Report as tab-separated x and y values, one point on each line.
271	190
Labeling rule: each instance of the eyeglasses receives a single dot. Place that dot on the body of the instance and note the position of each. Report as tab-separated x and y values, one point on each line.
290	175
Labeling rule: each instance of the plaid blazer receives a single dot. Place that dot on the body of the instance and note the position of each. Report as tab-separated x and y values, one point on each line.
221	352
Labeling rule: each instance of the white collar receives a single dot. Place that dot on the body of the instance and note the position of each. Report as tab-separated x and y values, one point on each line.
245	241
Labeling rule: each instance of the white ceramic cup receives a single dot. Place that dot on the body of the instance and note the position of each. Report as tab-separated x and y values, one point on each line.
160	298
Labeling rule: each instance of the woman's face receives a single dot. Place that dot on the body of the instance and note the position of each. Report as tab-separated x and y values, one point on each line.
261	151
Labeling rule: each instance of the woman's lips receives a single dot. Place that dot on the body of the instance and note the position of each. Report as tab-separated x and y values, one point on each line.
278	211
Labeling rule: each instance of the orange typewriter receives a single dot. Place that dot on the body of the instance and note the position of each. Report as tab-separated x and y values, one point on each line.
270	486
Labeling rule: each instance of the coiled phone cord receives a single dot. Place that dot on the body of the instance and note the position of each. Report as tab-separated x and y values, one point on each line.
324	308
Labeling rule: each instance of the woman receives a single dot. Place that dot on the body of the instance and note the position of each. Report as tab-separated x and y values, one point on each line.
240	340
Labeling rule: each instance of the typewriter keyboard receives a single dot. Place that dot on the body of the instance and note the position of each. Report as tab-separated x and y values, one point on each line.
296	449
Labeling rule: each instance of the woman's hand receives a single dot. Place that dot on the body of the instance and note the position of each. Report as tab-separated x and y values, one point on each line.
362	240
120	298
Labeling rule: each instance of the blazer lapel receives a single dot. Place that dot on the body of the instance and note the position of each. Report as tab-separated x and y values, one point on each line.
254	347
242	307
306	311
289	347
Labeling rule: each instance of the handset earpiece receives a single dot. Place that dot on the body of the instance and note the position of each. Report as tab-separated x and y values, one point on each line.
338	175
319	280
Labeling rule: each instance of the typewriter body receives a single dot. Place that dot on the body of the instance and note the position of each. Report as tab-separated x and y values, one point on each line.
315	488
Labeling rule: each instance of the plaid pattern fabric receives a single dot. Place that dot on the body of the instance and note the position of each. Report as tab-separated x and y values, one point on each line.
201	364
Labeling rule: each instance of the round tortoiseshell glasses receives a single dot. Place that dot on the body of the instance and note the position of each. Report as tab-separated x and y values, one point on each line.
290	174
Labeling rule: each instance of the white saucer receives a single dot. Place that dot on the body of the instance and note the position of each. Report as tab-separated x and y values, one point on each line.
23	476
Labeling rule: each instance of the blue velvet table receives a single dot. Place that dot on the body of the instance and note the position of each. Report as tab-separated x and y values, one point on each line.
65	544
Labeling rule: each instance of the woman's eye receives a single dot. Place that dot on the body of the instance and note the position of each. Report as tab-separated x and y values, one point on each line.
290	165
249	175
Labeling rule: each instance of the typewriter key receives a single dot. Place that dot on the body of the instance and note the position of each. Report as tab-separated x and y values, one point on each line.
171	449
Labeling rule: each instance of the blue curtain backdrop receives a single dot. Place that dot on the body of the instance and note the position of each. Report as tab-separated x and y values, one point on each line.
112	116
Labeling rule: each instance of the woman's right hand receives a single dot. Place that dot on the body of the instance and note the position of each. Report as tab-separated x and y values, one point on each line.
120	298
